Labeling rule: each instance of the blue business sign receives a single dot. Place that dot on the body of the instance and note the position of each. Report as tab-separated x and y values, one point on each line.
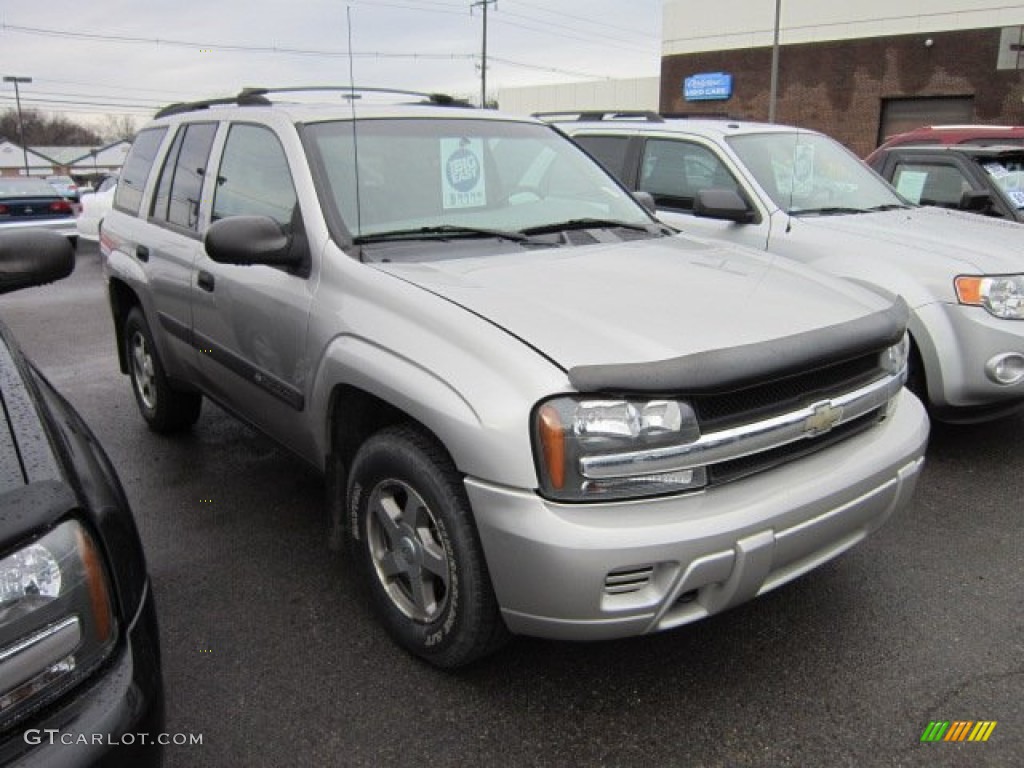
708	86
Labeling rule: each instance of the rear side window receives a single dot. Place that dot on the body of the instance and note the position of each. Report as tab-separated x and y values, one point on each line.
181	179
136	170
254	179
609	151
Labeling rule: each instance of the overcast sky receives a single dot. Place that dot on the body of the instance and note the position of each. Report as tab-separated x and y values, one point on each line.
129	57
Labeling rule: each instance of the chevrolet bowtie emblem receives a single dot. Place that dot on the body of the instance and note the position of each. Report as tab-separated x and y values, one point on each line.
825	417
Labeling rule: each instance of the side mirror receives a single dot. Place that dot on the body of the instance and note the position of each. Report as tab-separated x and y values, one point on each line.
247	240
975	201
724	204
646	199
34	257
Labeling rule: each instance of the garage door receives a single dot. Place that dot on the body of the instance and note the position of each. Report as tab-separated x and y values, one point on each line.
899	115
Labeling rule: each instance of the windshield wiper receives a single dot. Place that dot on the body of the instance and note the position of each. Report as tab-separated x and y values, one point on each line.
827	211
563	226
889	207
440	232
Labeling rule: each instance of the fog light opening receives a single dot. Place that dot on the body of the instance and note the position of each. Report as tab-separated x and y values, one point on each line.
1006	369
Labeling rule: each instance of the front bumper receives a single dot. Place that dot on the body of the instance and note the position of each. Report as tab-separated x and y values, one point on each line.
599	571
114	719
962	341
66	227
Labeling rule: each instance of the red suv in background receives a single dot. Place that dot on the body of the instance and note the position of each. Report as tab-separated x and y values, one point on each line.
979	135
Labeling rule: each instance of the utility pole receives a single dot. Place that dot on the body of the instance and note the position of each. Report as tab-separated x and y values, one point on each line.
483	55
21	124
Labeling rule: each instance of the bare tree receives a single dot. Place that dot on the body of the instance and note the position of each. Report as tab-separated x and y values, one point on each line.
40	130
118	127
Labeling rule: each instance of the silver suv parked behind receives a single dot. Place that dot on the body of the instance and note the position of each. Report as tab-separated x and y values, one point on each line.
802	195
537	410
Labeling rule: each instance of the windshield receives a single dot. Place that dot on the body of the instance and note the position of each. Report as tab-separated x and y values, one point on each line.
445	175
1008	174
807	173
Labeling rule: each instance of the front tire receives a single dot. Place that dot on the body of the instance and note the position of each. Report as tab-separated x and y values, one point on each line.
164	408
417	546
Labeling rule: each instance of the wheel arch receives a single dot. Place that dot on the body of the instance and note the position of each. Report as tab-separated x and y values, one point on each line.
123	299
353	416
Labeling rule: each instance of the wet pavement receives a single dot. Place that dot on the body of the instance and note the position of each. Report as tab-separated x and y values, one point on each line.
272	656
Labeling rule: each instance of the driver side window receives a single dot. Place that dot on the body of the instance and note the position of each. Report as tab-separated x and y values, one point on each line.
254	179
674	171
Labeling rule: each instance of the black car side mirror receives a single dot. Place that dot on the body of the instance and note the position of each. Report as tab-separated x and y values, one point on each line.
646	199
725	204
246	240
975	201
34	257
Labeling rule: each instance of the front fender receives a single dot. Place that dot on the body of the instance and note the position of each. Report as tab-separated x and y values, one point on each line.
481	419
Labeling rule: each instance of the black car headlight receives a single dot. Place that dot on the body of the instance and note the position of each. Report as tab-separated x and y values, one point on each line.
592	449
57	621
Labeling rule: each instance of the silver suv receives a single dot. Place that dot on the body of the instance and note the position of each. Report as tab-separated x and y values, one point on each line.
537	410
802	195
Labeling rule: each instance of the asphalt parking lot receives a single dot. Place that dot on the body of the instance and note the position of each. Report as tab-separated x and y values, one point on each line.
271	653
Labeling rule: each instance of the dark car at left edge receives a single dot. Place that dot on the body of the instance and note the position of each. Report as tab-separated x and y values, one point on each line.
80	672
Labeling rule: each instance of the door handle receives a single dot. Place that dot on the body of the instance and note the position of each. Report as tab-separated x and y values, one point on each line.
205	281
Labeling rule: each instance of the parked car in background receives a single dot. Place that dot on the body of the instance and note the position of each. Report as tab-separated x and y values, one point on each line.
987	180
79	649
537	409
29	203
94	207
65	186
976	135
800	194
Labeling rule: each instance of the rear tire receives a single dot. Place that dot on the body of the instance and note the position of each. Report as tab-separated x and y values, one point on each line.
417	546
164	408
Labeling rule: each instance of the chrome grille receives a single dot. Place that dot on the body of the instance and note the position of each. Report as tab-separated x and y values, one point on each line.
756	403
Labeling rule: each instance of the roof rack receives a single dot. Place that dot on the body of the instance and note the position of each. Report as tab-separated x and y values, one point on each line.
594	115
257	96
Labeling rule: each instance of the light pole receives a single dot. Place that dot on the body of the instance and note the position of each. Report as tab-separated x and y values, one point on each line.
21	125
774	91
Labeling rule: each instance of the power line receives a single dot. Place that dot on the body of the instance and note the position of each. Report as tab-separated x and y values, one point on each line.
31	100
545	30
578	20
548	27
227	47
542	68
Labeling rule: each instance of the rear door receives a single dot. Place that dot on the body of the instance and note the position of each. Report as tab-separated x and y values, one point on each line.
154	229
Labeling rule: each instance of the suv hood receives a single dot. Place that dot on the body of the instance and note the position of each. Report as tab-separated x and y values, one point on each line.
968	242
642	301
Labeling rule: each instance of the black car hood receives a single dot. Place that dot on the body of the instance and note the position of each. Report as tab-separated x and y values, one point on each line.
33	488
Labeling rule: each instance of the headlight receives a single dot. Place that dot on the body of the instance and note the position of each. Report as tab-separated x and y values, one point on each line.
1001	295
569	431
56	619
894	358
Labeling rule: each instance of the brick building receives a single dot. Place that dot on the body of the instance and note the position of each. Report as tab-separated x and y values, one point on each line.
857	71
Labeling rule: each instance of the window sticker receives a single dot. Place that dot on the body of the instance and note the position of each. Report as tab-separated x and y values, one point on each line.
996	170
803	170
1016	197
462	168
794	174
910	184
